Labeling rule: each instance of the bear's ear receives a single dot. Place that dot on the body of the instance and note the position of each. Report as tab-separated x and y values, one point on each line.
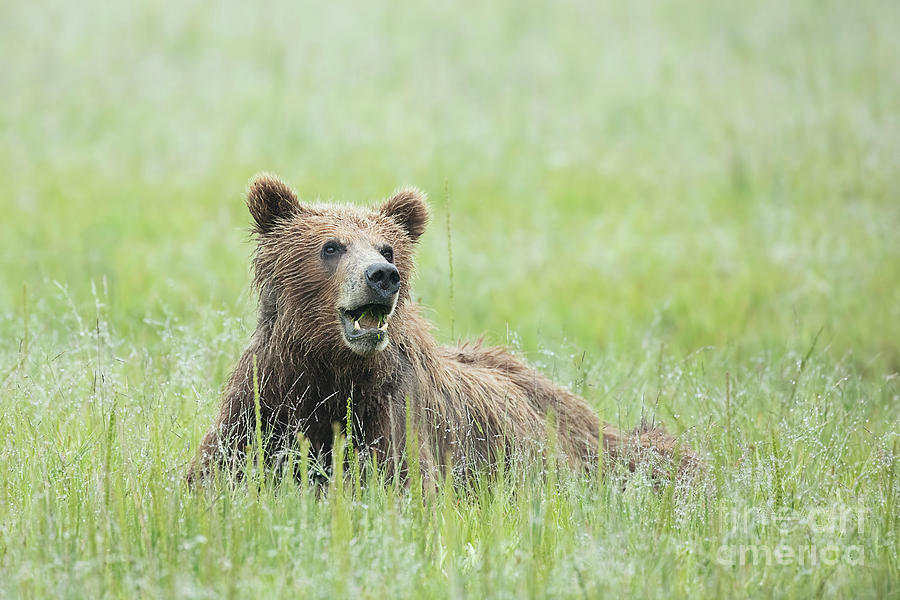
270	201
408	208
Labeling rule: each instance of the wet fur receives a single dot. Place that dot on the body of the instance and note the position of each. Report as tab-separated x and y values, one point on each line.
469	404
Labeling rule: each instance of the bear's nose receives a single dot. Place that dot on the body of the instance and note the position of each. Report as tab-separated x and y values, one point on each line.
383	278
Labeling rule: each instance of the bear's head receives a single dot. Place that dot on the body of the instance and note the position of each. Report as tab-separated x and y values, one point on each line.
333	277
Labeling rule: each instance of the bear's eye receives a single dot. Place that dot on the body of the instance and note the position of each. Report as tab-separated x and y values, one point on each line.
331	249
388	253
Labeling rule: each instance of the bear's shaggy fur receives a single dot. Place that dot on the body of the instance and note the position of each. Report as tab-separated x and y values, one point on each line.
468	404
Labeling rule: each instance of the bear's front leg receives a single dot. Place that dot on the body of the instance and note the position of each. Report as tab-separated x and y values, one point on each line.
222	448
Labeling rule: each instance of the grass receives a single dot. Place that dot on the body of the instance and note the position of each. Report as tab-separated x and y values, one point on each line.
683	210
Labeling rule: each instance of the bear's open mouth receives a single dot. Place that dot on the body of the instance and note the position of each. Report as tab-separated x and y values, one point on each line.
366	320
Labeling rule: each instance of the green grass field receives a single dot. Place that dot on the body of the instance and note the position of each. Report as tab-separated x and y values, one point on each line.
685	210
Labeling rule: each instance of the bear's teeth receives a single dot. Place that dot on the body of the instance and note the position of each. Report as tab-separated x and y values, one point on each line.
356	326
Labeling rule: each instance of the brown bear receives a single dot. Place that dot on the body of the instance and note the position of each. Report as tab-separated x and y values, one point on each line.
336	324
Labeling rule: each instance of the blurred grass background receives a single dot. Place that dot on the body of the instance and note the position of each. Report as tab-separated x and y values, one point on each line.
642	197
725	171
